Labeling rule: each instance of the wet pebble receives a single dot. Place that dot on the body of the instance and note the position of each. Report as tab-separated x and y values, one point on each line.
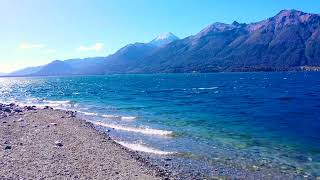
18	110
58	143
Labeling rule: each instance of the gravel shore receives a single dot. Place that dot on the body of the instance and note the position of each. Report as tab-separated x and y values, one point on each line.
55	144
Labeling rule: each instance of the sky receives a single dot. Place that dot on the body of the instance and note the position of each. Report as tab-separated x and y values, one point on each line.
35	32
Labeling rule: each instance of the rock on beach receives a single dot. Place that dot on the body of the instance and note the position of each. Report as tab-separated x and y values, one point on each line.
43	145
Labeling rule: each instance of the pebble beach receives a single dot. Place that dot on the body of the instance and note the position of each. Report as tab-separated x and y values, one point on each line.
55	144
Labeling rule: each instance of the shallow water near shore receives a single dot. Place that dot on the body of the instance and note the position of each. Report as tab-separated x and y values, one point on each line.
251	121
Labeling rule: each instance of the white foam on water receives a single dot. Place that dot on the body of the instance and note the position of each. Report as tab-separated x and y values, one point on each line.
147	131
40	103
116	117
111	116
128	118
88	113
144	148
208	88
62	104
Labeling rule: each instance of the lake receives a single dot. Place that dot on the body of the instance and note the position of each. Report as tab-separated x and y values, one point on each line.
239	119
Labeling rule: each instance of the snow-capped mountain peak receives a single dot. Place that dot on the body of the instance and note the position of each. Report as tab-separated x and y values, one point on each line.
164	39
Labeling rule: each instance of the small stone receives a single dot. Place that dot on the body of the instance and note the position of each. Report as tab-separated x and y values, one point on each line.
58	143
29	108
255	167
53	124
18	110
8	110
8	147
168	159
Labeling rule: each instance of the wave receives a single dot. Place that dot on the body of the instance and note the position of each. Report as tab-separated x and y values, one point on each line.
40	103
164	90
88	113
147	131
208	88
128	118
110	116
143	148
56	103
181	89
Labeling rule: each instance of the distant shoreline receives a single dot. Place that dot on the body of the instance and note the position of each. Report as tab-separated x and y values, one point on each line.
302	69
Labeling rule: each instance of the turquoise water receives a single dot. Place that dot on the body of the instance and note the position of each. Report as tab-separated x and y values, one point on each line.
232	118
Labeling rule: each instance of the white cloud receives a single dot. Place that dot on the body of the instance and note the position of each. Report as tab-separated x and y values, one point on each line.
95	47
31	46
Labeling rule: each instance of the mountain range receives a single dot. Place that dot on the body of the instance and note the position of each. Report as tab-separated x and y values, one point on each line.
288	41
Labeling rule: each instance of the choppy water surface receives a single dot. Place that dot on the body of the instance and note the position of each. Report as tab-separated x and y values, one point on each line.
241	119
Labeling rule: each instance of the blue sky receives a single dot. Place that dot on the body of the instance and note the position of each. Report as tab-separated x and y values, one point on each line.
35	32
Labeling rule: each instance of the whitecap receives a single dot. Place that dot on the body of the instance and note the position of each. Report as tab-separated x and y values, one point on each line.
144	148
40	103
59	102
110	116
147	131
208	88
128	118
124	118
88	113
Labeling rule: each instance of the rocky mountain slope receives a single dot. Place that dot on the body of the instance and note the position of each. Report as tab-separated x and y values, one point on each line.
288	41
